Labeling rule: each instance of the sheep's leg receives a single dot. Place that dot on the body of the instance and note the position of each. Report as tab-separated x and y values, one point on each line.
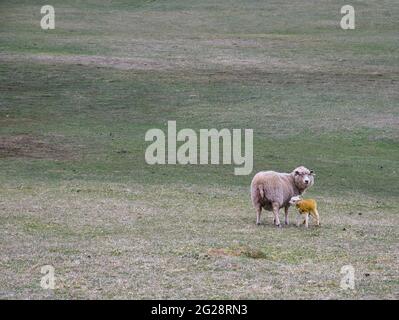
258	212
306	219
286	215
276	209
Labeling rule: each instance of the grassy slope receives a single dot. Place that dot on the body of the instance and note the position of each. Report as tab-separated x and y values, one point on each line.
115	227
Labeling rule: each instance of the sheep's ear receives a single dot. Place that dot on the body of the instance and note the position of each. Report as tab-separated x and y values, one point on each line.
296	173
312	173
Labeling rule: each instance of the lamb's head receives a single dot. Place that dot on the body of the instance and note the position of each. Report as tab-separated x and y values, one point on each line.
295	200
303	178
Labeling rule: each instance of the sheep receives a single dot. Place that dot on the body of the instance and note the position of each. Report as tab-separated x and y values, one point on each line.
306	207
273	190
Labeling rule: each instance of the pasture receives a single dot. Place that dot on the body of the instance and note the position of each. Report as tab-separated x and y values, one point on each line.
77	194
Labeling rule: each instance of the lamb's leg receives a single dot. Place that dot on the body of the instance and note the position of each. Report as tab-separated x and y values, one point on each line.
276	209
298	220
286	215
258	212
306	219
317	217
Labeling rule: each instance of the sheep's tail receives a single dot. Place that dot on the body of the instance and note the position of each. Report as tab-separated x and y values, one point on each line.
261	192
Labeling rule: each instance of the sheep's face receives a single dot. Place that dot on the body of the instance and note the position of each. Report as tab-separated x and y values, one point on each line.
295	200
303	177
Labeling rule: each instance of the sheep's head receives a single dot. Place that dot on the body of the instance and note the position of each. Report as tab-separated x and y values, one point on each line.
295	200
303	178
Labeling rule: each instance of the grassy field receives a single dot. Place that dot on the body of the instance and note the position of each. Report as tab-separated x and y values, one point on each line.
76	193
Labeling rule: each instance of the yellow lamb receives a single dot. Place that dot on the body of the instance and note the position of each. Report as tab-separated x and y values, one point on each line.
306	207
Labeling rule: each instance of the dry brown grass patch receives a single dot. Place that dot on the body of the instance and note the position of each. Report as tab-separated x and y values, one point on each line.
241	251
28	146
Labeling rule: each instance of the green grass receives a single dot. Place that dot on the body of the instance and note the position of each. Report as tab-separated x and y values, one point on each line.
75	103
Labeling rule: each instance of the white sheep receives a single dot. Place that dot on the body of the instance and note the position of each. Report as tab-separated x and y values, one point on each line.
273	190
